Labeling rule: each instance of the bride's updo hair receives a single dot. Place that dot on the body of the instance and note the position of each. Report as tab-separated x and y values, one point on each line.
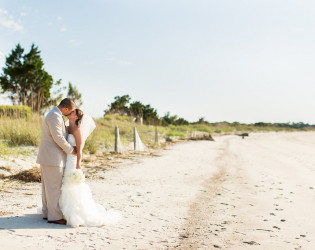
79	114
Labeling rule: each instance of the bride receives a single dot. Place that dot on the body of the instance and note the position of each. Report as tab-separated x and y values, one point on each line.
76	202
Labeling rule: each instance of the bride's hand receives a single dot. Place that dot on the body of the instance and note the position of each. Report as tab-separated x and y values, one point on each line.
78	166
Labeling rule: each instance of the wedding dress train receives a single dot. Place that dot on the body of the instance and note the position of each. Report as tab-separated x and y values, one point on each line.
76	201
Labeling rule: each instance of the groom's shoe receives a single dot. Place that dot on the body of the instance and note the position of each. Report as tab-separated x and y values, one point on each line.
60	222
44	218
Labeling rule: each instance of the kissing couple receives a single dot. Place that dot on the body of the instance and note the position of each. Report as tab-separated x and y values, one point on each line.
66	198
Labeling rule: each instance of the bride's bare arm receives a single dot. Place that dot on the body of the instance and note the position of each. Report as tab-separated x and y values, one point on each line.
78	141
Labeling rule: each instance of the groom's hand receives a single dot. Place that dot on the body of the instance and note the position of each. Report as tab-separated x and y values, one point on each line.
74	150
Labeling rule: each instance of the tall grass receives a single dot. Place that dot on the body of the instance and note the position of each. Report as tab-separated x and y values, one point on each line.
18	132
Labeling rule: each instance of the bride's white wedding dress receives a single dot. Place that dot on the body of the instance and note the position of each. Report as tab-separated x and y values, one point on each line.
76	201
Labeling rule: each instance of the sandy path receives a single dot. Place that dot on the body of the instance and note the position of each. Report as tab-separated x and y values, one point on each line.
230	194
263	196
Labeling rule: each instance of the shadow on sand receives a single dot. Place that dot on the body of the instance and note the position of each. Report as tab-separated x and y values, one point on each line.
28	221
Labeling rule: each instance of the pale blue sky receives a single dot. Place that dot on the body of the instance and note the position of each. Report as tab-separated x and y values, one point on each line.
245	60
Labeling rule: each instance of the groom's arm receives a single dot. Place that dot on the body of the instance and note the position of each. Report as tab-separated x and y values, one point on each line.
55	124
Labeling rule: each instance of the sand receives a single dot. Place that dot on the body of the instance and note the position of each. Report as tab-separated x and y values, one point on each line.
234	193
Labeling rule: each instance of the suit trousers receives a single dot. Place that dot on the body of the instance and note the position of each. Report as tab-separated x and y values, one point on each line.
51	177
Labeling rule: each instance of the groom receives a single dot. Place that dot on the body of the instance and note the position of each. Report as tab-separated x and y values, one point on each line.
52	159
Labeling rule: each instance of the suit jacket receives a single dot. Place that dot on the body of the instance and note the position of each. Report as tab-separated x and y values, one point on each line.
53	144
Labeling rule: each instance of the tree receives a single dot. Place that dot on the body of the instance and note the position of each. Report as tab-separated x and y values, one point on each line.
167	119
150	115
26	82
12	74
136	110
74	94
181	121
201	120
119	106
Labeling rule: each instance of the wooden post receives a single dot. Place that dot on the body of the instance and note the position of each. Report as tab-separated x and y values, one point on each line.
116	138
134	138
156	137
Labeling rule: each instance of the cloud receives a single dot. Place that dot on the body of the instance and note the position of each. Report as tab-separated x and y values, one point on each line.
1	54
74	43
63	29
59	18
113	59
8	21
23	14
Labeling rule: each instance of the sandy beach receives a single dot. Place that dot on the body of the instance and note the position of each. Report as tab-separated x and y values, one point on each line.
234	193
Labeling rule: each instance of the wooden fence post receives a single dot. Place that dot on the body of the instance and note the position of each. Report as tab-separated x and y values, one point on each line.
116	138
156	137
134	139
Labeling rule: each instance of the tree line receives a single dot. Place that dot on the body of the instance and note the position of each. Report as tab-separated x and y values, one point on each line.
296	125
141	112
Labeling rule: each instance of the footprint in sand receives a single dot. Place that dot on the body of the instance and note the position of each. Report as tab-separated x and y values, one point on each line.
251	242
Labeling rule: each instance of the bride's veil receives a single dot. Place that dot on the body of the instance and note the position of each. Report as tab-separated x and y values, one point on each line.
87	126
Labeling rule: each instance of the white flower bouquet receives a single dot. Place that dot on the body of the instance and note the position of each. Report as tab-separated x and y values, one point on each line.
75	176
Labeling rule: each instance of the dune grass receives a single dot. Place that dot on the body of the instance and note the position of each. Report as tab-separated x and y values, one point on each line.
23	132
15	133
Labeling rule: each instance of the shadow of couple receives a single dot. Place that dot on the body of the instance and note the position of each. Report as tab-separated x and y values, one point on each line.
27	221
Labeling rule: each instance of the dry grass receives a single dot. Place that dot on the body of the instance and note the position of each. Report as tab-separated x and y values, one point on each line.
17	132
31	175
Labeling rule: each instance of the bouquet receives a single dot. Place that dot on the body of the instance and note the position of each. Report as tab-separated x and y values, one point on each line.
75	176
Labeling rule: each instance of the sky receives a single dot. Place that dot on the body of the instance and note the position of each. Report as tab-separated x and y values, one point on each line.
224	60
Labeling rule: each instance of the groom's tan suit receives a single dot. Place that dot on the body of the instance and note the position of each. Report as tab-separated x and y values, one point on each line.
52	159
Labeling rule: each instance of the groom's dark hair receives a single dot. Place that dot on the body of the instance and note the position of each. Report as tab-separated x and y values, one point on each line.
67	103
